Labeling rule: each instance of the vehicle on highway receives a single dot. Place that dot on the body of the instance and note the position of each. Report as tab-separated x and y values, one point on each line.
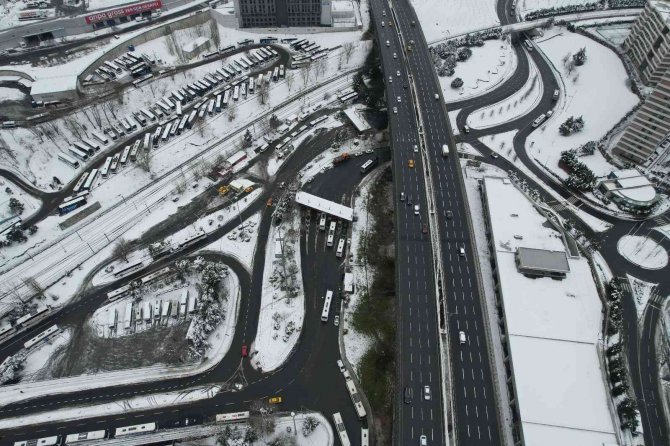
540	119
383	12
388	43
426	392
556	94
395	55
424	228
445	150
402	196
437	97
413	23
407	397
549	112
340	365
461	337
399	99
423	441
449	215
397	73
390	79
336	321
466	129
410	163
528	45
461	251
395	110
494	155
245	351
416	209
275	400
383	25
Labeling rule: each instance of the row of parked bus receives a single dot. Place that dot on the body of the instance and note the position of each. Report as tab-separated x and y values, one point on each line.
110	70
76	438
25	321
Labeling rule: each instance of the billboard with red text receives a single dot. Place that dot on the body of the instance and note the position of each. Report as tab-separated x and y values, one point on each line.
129	10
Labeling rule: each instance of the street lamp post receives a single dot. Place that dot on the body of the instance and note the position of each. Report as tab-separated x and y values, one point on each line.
295	429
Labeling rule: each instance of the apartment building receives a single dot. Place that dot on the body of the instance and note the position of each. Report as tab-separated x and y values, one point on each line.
649	126
282	13
648	44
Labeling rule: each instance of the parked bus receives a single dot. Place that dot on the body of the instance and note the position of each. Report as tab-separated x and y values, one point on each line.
134	150
85	436
341	430
275	74
182	124
166	133
331	233
243	90
226	98
251	85
102	138
191	119
156	137
226	49
365	440
355	398
80	183
326	306
104	170
340	248
88	184
210	107
148	114
147	143
368	165
124	155
136	429
67	159
218	102
236	417
173	129
178	96
179	112
45	441
141	119
113	66
296	45
236	93
281	71
322	222
115	163
71	205
78	153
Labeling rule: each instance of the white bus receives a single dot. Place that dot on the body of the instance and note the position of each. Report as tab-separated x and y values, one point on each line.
104	170
147	143
67	159
275	74
326	306
134	150
80	183
365	440
45	441
259	80
210	107
41	337
183	302
235	417
251	85
78	153
124	155
281	71
218	102
88	184
191	119
182	124
322	222
179	112
226	98
102	138
540	119
243	90
136	429
236	93
128	316
173	129
115	162
341	430
163	106
355	398
156	137
148	114
166	133
85	436
192	301
331	233
340	248
178	96
147	311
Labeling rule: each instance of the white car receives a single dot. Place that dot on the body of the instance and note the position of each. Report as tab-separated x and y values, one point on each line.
399	99
337	320
383	24
397	73
426	393
388	43
423	441
395	110
390	79
461	337
416	148
340	365
395	55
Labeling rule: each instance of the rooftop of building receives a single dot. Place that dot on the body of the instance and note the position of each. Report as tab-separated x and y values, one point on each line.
55	84
663	9
552	331
543	260
631	185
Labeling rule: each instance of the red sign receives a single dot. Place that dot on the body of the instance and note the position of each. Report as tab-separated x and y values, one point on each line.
137	8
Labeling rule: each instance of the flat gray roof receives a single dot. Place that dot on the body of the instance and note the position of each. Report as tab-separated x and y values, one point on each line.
543	260
323	205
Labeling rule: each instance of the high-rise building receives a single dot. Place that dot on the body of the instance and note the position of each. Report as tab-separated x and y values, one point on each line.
649	126
281	13
648	44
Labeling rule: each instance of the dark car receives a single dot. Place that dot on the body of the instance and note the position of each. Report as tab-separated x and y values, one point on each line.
245	352
424	228
449	215
408	395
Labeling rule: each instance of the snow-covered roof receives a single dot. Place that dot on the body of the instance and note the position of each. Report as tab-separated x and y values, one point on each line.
552	330
663	8
358	122
341	5
55	84
633	181
241	184
639	194
541	259
195	43
323	205
625	173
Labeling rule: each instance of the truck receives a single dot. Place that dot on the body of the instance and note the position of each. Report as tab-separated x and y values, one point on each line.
340	159
445	150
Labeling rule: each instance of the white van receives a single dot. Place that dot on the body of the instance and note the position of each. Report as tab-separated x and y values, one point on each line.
461	251
461	337
416	209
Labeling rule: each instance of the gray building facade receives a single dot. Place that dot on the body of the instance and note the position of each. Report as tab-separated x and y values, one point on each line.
280	13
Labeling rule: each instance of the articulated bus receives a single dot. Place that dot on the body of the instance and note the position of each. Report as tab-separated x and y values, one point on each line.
326	306
341	430
136	429
355	398
331	233
236	417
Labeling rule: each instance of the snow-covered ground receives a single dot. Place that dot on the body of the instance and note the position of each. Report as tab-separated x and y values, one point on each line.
442	18
9	190
665	230
283	314
104	4
525	6
643	251
169	49
488	67
615	34
597	91
11	94
240	243
355	343
10	11
642	292
38	359
512	107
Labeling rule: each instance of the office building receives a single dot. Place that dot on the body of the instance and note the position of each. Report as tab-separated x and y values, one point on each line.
648	44
282	13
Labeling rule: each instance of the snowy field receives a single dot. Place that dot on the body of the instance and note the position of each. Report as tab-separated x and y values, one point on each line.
10	10
597	91
512	107
643	251
169	49
443	18
240	243
9	190
665	230
616	34
525	6
283	314
92	5
38	359
642	292
488	67
11	94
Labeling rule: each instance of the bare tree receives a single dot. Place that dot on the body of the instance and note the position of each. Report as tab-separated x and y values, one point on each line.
34	286
348	50
321	67
304	75
144	158
290	77
232	110
122	249
263	93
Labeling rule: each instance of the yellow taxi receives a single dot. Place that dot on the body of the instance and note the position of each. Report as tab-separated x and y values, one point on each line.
410	163
275	400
